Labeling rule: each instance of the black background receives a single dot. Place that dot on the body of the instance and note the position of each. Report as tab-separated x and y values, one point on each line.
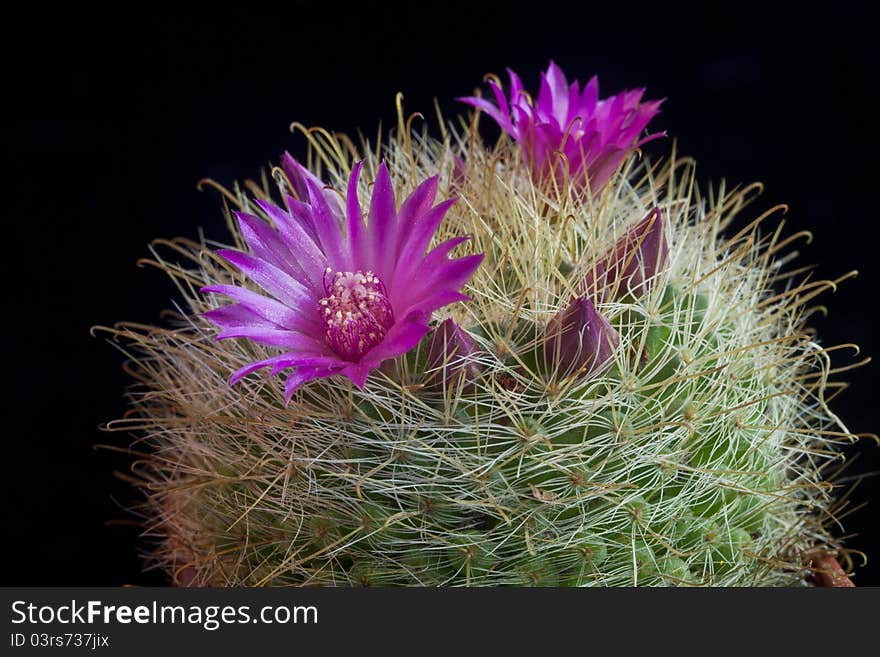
111	119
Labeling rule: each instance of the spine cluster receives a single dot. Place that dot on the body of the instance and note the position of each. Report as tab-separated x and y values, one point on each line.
629	398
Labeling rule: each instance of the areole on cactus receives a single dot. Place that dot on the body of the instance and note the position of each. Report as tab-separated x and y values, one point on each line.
520	384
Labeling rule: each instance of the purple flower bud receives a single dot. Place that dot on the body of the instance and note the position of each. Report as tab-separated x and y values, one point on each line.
634	263
449	355
579	340
459	175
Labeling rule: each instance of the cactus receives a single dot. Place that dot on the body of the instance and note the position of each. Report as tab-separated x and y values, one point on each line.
628	397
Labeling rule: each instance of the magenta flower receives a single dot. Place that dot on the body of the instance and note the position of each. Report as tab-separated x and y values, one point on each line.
593	135
634	263
579	340
340	301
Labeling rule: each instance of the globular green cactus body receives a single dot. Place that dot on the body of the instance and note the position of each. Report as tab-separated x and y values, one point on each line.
695	457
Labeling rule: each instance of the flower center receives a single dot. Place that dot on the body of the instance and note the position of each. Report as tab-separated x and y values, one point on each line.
355	311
